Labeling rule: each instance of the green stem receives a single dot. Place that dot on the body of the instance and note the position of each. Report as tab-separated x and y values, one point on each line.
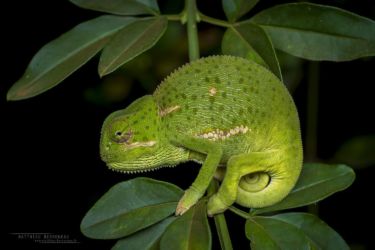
239	212
220	222
192	16
214	21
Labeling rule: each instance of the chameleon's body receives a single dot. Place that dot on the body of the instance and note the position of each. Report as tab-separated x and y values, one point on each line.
221	111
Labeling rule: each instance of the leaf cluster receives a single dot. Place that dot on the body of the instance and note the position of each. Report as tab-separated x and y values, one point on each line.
138	213
130	27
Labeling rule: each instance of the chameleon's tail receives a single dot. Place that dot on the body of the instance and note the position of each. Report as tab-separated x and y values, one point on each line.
254	182
258	179
261	189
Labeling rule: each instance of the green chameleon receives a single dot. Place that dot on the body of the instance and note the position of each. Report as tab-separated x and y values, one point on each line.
228	113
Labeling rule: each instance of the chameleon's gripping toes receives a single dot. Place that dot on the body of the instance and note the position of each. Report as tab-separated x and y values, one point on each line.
228	113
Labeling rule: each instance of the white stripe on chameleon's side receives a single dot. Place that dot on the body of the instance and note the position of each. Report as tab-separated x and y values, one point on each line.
218	134
168	110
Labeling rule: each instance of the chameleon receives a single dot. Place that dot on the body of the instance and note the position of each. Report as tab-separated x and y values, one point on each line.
229	114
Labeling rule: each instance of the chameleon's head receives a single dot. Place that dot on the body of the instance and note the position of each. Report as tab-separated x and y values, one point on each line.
130	139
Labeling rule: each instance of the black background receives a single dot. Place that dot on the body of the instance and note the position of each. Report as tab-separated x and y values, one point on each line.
51	170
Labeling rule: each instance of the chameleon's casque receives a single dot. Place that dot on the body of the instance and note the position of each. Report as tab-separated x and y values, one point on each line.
230	114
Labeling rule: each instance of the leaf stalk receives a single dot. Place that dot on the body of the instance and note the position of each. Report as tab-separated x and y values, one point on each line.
214	21
239	212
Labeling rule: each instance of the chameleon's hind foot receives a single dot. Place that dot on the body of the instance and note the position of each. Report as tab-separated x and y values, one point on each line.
215	205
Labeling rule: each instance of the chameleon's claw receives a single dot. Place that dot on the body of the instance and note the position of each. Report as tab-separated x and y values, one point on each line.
188	200
180	210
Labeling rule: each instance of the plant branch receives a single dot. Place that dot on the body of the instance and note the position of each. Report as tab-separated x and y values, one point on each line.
192	17
220	222
312	110
312	119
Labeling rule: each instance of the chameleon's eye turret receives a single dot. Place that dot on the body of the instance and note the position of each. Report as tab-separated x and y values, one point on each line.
122	137
117	129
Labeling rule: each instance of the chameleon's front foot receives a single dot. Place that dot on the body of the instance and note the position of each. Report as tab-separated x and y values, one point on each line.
188	200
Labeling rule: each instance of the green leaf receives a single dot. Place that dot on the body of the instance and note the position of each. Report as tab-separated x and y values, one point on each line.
130	42
233	44
62	56
256	39
146	239
322	235
129	207
189	231
120	7
318	32
235	9
317	181
358	151
268	233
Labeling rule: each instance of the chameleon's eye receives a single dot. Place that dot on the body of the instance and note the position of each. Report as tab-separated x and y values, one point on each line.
121	137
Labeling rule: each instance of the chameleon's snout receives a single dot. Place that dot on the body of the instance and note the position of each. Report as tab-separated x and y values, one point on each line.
109	152
108	143
105	149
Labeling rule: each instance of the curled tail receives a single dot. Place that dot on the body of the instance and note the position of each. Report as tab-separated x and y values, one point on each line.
262	189
257	179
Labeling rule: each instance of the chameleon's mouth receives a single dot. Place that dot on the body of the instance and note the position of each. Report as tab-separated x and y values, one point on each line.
140	144
127	146
109	154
